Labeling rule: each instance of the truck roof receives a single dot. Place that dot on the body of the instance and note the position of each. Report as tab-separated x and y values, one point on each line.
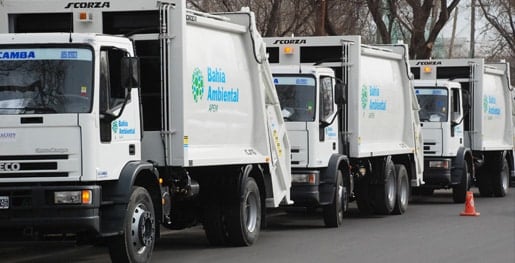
54	38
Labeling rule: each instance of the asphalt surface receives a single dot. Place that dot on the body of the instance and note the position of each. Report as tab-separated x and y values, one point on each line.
430	231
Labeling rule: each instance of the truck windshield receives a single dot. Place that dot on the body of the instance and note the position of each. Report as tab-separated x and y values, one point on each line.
433	104
45	80
297	95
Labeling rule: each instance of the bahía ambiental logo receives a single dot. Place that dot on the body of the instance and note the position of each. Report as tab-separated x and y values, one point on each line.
197	84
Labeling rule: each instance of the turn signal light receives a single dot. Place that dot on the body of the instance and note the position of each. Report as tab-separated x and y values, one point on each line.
86	196
288	50
85	17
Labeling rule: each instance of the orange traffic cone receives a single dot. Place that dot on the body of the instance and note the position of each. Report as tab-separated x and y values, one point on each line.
470	210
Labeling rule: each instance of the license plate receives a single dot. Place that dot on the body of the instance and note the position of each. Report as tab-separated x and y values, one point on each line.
4	202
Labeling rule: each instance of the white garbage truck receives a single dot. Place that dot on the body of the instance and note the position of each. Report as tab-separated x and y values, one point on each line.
348	106
110	137
466	115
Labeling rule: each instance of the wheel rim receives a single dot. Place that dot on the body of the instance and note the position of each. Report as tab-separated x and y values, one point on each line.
390	188
142	229
340	202
251	211
504	176
404	193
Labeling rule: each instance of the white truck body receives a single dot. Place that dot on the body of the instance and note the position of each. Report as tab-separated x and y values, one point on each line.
378	120
476	115
209	119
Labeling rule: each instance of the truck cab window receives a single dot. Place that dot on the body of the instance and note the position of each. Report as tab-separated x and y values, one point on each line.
326	97
112	94
455	101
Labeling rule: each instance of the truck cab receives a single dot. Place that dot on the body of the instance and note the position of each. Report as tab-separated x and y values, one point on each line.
441	117
307	97
65	93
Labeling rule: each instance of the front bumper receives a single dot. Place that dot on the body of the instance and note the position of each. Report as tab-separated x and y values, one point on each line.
33	207
440	177
315	193
305	195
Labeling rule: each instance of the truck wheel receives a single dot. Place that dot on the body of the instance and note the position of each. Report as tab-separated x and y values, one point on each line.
137	241
244	220
214	225
333	213
459	191
484	179
403	190
386	192
363	197
500	180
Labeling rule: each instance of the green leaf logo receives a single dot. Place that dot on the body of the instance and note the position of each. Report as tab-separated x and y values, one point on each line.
114	126
197	86
485	104
364	97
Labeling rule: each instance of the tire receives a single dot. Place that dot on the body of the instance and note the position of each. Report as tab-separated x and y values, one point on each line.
333	213
137	241
484	183
363	197
403	190
501	180
487	173
459	192
386	193
214	224
244	219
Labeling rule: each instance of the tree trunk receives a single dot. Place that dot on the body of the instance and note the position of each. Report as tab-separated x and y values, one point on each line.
320	17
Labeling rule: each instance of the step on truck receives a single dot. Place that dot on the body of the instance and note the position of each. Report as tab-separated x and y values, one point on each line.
352	120
107	138
466	115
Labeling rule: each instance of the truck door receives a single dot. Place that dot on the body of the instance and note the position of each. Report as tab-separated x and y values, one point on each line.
327	121
119	139
456	139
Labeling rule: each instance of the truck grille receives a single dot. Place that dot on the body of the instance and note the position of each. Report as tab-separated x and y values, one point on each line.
428	147
41	166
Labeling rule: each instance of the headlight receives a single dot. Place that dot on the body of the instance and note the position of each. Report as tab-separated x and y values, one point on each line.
309	178
73	197
444	164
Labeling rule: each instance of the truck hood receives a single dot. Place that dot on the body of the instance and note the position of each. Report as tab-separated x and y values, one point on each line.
40	148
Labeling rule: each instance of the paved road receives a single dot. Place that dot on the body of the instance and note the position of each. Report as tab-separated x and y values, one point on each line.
430	231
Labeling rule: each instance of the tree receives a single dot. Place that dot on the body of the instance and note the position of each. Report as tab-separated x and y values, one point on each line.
298	17
500	16
420	20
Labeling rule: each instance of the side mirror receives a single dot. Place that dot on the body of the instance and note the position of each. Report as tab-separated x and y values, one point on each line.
456	118
130	72
339	93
